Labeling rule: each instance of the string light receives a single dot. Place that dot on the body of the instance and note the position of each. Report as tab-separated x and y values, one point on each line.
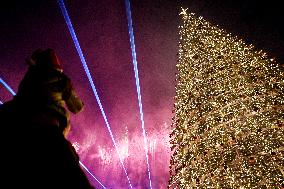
227	129
134	61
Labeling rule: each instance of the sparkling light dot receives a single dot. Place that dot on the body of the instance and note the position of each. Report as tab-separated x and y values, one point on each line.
227	129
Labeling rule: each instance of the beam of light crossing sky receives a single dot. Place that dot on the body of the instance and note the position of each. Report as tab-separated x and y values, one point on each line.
82	58
91	174
134	60
13	93
1	102
7	86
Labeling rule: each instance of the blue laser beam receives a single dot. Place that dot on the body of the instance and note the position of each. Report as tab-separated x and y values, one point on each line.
82	58
13	93
134	60
91	174
7	87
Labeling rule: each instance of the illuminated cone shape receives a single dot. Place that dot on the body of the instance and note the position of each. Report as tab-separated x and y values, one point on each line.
228	124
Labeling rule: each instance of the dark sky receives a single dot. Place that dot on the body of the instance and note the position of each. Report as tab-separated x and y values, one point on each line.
101	28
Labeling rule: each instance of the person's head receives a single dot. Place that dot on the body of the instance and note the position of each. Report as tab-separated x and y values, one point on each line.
44	58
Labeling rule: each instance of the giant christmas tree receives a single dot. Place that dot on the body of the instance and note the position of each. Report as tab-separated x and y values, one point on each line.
228	124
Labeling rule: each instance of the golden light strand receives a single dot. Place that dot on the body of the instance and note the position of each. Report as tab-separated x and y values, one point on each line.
228	124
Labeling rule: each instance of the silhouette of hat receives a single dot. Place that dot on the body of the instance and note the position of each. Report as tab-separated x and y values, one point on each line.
45	58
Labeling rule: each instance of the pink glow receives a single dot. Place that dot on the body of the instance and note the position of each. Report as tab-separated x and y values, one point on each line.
104	159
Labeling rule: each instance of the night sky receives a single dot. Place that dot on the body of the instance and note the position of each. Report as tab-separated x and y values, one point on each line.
101	27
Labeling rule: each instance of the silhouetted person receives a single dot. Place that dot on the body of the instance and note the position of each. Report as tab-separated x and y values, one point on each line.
34	128
45	89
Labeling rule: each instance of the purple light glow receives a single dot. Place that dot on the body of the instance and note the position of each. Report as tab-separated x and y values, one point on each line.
134	61
131	149
103	35
86	68
101	28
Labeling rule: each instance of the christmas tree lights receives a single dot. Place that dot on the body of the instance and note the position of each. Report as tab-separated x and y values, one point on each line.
228	124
